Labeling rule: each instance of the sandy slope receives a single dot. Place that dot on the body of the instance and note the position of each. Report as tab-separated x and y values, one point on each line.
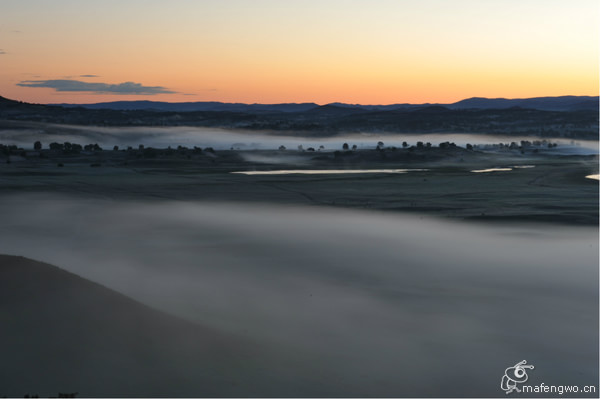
62	333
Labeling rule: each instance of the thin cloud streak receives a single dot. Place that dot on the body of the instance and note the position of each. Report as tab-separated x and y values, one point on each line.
68	85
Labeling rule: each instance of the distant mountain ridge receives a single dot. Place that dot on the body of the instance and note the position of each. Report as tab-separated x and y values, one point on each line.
561	103
566	117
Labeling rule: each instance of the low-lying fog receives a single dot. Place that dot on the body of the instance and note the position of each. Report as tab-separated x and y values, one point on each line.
367	302
162	137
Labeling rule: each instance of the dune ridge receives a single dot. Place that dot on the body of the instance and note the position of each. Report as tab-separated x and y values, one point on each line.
63	333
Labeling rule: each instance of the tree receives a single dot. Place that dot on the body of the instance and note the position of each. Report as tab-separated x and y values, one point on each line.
404	144
354	147
37	145
345	147
380	144
116	148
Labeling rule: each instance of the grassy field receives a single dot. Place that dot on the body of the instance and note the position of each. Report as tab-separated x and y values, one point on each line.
551	187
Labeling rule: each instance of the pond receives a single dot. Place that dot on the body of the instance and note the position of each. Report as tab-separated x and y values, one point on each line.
326	171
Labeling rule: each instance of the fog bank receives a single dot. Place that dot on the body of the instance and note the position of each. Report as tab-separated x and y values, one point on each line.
350	302
224	139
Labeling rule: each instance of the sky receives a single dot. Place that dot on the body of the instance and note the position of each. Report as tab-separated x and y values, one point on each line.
272	51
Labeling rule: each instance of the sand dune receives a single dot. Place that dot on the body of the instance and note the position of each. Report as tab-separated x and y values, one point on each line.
62	333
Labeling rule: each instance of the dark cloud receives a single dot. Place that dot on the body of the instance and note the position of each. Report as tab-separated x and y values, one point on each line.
98	88
2	51
89	76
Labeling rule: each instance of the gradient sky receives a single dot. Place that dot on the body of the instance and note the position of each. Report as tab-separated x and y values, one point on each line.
271	51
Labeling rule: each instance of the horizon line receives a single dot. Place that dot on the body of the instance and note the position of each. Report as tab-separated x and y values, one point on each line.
308	102
333	102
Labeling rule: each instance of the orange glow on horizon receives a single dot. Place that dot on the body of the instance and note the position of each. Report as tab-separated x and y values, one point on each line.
378	52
